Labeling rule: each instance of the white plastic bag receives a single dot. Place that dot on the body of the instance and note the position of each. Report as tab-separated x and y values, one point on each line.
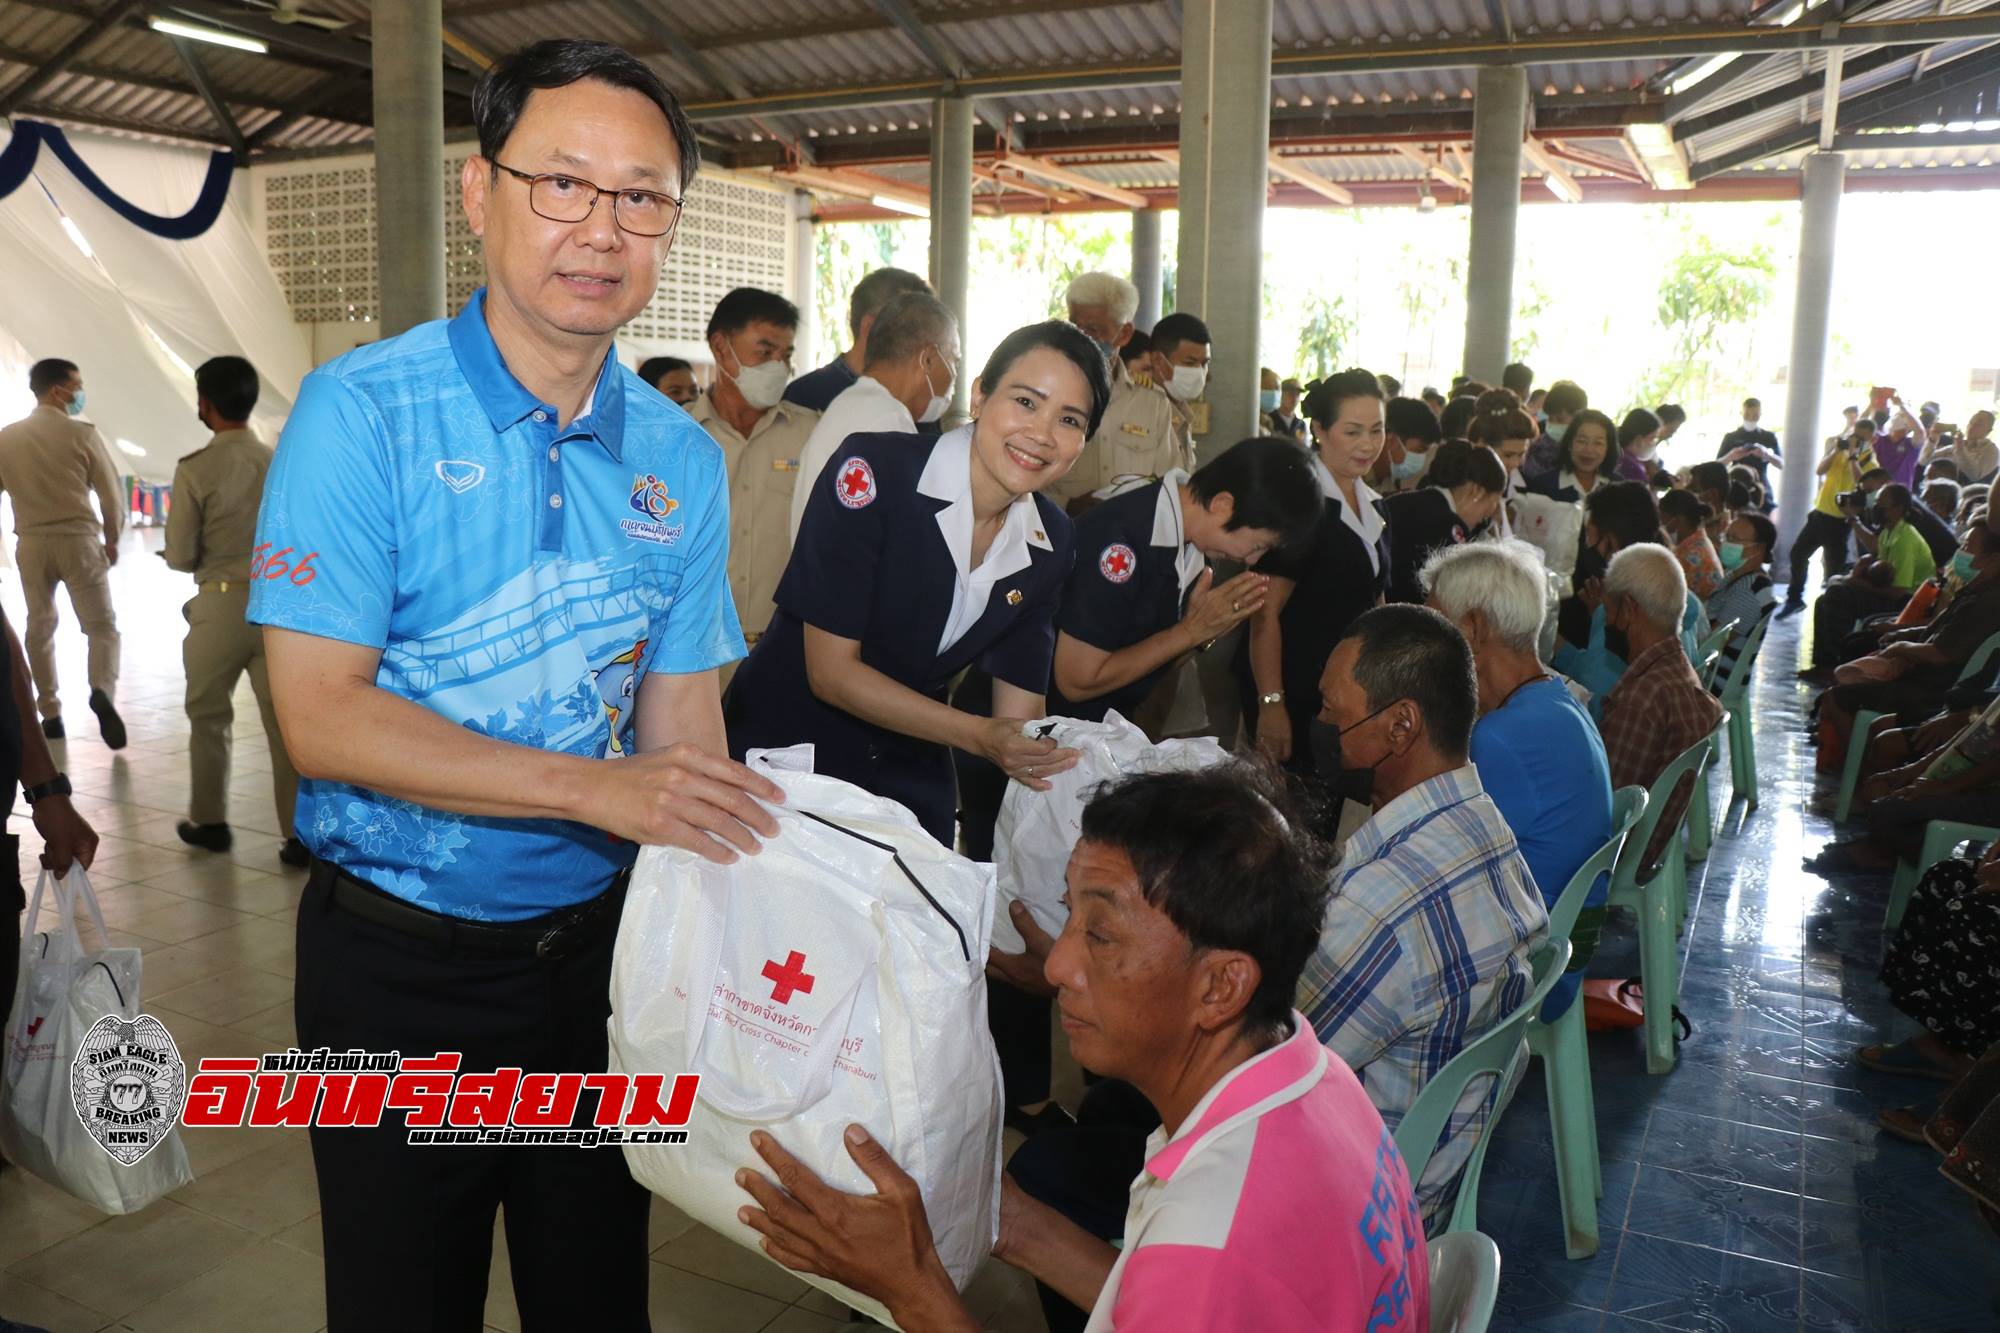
837	977
63	990
1037	830
1553	526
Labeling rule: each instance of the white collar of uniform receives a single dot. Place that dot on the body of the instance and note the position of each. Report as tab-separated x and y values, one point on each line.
948	476
1170	529
1329	488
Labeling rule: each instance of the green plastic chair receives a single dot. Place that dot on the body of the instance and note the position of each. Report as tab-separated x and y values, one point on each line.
1740	719
1661	904
1465	1281
1941	839
1709	651
1860	738
1565	1053
1494	1055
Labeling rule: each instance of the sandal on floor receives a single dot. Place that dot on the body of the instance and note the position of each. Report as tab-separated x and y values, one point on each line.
1904	1059
1907	1122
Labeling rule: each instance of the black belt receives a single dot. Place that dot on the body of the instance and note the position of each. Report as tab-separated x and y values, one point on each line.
551	935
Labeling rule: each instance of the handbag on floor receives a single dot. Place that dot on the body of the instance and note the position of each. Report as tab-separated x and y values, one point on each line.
837	977
64	991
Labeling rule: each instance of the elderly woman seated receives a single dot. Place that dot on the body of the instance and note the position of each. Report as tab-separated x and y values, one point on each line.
1538	754
1271	1197
1912	671
1616	516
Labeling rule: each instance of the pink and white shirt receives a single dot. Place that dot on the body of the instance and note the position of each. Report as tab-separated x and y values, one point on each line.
1281	1204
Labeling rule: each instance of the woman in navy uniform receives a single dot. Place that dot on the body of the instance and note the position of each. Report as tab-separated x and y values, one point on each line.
1462	492
917	558
1140	598
1588	457
1319	586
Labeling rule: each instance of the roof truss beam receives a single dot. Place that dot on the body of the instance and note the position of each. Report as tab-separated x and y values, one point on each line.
39	78
1318	184
669	37
935	49
303	38
232	133
1029	165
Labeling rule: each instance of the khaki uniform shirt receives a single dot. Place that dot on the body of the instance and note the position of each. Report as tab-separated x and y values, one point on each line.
762	473
1144	433
50	462
213	522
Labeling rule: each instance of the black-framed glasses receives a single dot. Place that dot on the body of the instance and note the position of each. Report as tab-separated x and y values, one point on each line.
564	198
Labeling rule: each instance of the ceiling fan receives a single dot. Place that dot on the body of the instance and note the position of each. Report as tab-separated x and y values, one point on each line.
288	11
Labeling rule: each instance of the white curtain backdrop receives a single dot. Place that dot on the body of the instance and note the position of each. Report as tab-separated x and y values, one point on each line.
204	297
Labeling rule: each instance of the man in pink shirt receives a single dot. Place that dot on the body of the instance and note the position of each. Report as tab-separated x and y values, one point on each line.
1272	1198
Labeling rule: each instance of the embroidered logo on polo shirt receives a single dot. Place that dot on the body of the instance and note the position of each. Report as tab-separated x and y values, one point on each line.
649	497
1117	563
855	486
460	474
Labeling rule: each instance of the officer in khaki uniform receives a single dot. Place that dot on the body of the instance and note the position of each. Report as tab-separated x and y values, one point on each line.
1145	432
51	462
211	530
750	335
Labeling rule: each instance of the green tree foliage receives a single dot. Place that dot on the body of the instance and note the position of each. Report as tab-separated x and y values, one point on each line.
1328	328
1705	293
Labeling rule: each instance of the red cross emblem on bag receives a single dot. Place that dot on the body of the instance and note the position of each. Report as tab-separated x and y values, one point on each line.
1117	563
855	485
791	976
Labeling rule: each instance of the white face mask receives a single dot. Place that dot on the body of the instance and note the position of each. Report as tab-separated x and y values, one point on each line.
761	386
1188	382
934	410
1749	425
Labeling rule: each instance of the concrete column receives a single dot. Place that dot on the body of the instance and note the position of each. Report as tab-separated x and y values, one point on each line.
408	42
806	352
952	124
1805	382
1499	123
1225	146
1146	266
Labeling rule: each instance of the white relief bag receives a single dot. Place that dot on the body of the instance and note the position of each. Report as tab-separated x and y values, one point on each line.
1037	830
64	989
1552	527
837	977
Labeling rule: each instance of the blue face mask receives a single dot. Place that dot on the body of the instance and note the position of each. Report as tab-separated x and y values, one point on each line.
1961	565
1267	400
1109	350
1557	430
1731	554
75	407
1410	468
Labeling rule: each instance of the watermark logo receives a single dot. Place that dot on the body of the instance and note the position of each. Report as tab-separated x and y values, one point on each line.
128	1084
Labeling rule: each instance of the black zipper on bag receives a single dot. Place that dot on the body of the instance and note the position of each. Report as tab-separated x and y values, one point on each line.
963	948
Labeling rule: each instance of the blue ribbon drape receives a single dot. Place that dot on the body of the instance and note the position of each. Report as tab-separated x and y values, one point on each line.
17	162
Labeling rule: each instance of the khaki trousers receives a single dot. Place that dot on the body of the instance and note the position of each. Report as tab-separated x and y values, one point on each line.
221	645
78	563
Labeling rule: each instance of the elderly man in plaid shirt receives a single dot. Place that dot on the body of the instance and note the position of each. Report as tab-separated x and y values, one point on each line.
1427	941
1659	707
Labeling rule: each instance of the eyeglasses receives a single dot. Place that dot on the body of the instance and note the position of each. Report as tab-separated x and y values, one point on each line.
561	198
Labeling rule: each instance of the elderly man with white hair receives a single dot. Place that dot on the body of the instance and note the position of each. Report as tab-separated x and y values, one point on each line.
1538	753
1659	707
1141	434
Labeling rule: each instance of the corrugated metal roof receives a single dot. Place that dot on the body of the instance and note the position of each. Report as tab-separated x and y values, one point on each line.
768	46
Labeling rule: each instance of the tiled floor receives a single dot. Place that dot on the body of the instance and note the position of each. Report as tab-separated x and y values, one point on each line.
239	1249
1750	1189
1747	1191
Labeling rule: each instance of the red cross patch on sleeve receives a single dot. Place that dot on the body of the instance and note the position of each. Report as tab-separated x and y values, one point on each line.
855	484
1117	563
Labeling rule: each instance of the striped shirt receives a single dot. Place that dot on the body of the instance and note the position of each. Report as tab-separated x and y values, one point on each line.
1426	946
1746	599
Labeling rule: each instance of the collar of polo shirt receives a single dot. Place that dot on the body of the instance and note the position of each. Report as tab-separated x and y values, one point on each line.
506	400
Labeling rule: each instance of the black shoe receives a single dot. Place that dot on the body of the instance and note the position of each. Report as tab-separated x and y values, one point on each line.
294	853
52	728
1790	609
212	837
109	724
1031	1123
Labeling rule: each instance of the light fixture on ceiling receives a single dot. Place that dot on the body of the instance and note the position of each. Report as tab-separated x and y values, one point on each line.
896	204
214	36
1665	162
1426	201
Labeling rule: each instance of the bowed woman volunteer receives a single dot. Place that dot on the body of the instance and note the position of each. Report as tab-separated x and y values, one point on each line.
1319	585
917	558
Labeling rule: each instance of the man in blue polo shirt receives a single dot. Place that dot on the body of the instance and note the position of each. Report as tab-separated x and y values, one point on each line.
492	574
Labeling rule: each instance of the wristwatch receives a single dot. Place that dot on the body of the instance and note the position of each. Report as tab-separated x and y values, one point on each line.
55	786
1274	697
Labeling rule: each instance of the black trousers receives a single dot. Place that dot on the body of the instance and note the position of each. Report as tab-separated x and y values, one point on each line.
12	904
1085	1172
1821	532
409	1229
1840	608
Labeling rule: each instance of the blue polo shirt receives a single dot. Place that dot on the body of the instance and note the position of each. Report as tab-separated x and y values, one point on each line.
519	577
